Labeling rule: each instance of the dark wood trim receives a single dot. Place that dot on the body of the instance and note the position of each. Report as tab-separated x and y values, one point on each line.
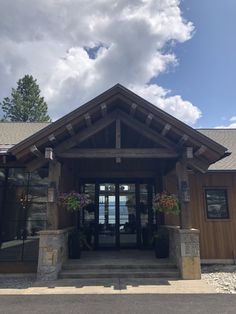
165	129
86	133
145	130
104	109
200	151
184	138
118	138
119	153
133	108
163	117
184	195
138	216
117	210
35	151
117	93
70	129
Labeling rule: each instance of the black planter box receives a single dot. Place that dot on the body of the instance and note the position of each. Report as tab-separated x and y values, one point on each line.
161	247
74	250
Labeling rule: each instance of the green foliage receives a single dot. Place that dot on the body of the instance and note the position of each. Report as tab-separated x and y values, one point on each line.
25	103
74	201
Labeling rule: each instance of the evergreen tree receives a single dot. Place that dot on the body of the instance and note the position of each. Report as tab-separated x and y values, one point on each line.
25	103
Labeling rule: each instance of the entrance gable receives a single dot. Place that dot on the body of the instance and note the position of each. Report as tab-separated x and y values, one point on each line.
119	107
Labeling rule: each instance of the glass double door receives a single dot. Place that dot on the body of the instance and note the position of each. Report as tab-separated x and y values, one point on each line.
117	215
120	215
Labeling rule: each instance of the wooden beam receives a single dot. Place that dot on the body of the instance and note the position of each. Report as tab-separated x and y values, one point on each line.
118	139
198	164
166	129
36	163
86	133
87	119
54	174
184	195
183	139
104	109
146	131
49	155
70	129
200	151
133	108
34	150
189	152
149	119
52	139
118	153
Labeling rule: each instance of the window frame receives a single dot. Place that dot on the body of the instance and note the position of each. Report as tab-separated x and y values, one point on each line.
215	188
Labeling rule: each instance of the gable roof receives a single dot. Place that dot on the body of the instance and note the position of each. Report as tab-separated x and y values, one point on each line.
121	99
226	137
12	133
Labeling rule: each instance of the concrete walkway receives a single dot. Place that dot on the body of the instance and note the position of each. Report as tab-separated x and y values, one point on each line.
107	286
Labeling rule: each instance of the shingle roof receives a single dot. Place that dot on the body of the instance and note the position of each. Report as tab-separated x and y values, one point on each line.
12	133
227	138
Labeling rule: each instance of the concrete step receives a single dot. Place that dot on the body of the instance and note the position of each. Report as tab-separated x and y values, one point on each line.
118	273
75	265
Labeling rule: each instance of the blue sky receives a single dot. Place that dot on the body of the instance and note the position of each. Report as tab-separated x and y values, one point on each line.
206	74
127	42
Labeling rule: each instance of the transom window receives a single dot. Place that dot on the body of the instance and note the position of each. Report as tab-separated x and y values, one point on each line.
216	203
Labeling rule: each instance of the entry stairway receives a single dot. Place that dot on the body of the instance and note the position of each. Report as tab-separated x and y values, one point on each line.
119	265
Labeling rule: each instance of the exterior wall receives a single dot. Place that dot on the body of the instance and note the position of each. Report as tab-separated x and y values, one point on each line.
218	236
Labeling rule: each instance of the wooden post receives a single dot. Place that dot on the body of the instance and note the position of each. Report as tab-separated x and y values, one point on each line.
54	174
184	195
118	138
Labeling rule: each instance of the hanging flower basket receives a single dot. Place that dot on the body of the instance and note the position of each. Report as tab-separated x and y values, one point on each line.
166	202
74	201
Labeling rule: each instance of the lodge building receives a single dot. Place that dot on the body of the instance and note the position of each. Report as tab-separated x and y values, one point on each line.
120	150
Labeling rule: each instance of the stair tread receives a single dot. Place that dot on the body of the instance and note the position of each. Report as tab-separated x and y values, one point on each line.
84	271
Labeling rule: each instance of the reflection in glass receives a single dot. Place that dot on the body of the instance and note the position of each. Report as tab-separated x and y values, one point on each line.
88	217
24	214
216	203
128	223
107	215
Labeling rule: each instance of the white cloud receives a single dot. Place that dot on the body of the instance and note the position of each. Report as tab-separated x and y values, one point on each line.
231	124
52	40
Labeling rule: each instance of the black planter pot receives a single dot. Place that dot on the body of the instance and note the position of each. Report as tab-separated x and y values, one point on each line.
161	247
74	250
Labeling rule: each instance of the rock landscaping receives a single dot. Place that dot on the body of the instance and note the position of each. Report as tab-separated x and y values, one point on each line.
222	277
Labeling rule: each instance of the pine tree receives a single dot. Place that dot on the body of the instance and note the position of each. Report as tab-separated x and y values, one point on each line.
25	103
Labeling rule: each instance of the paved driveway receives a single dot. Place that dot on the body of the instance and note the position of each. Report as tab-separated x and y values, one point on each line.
117	304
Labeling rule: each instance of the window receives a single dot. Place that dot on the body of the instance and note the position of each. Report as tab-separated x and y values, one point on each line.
23	212
216	203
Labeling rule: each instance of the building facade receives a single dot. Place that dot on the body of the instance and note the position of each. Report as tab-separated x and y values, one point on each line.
120	150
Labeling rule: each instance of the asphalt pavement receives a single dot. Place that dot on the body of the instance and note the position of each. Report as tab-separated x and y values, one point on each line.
117	304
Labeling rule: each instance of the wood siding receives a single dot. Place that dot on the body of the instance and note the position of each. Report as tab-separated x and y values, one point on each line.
217	237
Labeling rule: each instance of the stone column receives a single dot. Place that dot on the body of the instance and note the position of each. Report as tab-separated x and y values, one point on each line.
53	252
184	250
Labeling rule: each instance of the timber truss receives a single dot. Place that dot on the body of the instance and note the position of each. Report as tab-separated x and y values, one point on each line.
74	135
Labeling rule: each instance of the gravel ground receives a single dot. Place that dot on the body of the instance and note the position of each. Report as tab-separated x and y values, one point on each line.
222	277
21	281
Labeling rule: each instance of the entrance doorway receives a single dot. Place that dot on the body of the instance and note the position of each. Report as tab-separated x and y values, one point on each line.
120	215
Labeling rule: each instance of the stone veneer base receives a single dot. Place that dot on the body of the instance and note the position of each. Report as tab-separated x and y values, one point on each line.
184	250
53	252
